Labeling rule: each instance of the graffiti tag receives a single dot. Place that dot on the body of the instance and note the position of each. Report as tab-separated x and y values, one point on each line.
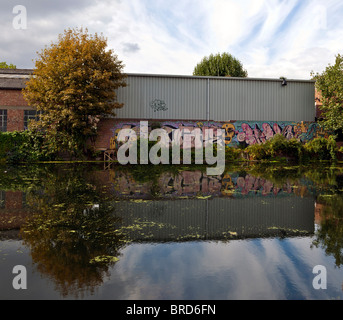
158	105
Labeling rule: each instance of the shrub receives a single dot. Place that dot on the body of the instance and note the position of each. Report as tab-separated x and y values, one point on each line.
258	152
25	146
322	149
276	148
279	147
233	154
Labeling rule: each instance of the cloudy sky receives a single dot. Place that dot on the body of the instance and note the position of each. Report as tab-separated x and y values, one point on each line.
272	38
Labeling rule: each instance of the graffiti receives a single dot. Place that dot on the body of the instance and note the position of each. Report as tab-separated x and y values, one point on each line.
305	133
229	132
170	129
250	184
260	132
197	183
227	188
238	133
158	105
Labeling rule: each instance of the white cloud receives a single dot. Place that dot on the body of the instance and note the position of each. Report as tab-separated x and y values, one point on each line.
270	37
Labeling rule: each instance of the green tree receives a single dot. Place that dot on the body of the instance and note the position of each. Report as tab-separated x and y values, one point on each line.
73	86
4	65
220	65
330	85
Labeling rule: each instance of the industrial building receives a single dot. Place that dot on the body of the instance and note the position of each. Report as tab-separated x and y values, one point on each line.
171	97
250	110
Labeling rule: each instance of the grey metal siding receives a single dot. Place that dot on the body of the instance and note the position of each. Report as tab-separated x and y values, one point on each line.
261	101
218	99
184	98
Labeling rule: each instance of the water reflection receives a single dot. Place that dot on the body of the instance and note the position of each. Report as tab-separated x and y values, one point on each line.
79	221
330	233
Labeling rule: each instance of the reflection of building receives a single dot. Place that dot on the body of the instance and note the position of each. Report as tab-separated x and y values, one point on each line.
13	210
191	205
318	213
217	219
185	213
195	183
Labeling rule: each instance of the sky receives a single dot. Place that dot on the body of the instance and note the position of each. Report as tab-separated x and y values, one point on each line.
271	38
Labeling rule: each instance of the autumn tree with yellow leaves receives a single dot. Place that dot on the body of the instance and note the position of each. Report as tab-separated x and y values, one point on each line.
73	85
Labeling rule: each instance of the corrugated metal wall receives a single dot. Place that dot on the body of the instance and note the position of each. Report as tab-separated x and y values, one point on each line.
184	98
218	99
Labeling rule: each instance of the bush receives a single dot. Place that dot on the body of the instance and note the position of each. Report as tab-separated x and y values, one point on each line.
322	149
258	152
276	148
279	147
8	141
233	154
25	146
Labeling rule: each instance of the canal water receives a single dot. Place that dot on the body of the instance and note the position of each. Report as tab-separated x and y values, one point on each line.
95	231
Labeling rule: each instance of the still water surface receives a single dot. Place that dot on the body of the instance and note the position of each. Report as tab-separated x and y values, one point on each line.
102	232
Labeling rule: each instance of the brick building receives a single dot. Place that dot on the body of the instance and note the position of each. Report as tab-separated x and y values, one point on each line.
14	110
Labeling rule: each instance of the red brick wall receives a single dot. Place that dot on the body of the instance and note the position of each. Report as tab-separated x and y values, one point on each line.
105	133
15	120
12	98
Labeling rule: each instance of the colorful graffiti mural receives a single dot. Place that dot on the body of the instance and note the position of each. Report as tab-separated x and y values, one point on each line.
250	133
237	133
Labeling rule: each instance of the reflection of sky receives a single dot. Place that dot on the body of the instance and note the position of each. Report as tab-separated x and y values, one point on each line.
243	269
249	269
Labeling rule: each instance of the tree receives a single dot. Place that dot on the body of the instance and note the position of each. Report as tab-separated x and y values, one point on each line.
4	65
72	86
330	85
220	65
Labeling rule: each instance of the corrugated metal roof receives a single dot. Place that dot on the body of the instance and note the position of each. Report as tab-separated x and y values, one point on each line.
12	83
14	78
216	78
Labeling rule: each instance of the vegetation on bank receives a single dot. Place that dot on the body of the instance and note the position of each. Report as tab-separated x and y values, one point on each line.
279	148
24	147
35	146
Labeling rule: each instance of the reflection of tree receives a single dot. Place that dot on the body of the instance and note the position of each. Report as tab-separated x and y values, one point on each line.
75	243
330	233
72	233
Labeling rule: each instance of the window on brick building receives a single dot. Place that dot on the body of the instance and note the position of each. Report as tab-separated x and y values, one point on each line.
3	120
30	115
